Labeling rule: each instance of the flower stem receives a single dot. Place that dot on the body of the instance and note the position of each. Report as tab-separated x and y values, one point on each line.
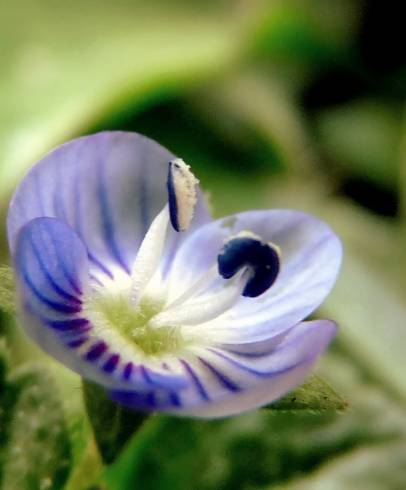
113	425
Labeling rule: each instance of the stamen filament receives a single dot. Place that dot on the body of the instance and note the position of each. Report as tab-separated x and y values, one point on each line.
194	313
149	255
202	281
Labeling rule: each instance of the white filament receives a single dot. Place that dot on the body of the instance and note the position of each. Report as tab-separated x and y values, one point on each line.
195	312
149	255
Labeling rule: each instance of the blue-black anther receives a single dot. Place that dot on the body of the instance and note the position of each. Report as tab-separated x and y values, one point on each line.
246	251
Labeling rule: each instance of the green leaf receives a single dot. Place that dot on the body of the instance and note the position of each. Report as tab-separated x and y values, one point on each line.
35	446
7	289
113	425
314	395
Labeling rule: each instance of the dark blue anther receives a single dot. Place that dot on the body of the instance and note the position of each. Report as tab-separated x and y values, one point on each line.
262	258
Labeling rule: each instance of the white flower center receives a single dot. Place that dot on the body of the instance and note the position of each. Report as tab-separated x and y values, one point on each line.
117	313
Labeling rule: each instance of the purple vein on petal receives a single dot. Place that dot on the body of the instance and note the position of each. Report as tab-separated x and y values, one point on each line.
96	280
175	399
96	351
250	370
128	369
60	307
249	355
108	228
149	376
100	265
161	380
70	279
143	200
221	377
199	386
74	344
78	222
76	325
110	365
58	289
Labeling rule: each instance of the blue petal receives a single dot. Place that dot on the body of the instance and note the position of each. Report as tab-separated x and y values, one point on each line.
310	260
51	265
147	401
226	383
52	275
51	268
108	187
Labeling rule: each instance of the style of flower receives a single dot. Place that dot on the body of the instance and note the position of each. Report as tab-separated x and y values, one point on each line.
124	277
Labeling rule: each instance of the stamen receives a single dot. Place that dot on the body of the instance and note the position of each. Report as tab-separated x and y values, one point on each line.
247	250
201	282
193	313
149	255
182	198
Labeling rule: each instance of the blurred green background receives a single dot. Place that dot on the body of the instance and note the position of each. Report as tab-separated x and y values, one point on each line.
279	103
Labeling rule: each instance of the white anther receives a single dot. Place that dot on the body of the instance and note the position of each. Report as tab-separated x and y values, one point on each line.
181	194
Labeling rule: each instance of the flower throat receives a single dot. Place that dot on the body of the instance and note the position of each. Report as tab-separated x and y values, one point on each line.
132	322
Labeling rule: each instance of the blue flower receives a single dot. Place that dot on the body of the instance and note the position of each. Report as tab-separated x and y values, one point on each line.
124	277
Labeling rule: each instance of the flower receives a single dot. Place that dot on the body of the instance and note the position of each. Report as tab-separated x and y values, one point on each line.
124	277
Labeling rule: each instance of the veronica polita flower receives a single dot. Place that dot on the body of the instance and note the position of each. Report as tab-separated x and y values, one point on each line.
124	277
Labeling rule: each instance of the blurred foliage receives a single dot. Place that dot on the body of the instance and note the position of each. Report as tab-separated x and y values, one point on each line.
252	450
373	468
34	439
283	103
363	138
6	289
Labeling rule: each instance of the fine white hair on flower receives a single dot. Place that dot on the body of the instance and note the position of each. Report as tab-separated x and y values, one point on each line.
209	322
